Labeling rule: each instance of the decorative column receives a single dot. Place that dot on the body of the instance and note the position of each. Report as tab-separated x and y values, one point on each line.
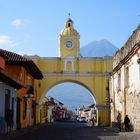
65	63
72	62
28	111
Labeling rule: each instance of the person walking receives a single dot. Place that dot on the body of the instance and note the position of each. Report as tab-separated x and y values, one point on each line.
119	121
93	121
126	123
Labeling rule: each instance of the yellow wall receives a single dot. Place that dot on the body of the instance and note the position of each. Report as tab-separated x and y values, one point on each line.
89	72
72	51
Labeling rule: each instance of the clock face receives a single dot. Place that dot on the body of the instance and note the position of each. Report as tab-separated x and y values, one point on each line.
69	44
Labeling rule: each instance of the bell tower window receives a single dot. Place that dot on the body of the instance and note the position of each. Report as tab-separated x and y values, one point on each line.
68	24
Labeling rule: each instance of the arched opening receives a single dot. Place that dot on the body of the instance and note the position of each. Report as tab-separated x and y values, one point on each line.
68	24
72	101
72	95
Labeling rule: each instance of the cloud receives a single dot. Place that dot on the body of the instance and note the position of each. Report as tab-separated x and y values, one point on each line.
7	42
17	23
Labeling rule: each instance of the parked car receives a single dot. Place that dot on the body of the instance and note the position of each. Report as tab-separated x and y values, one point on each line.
82	119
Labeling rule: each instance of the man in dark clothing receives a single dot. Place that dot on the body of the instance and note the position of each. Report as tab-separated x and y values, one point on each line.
119	121
126	123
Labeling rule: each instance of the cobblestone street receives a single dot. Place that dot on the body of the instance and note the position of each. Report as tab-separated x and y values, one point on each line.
70	131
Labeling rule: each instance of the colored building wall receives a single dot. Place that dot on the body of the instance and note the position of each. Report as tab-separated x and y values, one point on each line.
19	74
2	63
92	73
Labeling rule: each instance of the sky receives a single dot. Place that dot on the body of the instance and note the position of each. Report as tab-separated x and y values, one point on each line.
32	27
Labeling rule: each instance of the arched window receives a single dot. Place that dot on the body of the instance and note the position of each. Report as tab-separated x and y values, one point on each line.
68	24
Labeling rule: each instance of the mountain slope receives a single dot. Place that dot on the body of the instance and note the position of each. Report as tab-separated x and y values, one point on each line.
98	49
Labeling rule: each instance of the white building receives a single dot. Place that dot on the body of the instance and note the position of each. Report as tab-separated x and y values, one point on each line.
7	100
125	81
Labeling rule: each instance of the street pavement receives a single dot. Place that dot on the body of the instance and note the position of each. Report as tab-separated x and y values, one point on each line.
69	131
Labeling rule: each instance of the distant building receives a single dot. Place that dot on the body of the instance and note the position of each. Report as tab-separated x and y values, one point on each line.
52	110
89	112
125	81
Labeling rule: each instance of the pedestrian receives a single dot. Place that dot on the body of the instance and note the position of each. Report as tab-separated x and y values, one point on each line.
119	121
126	123
93	121
9	120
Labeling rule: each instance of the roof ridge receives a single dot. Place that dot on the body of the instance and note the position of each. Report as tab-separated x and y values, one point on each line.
12	56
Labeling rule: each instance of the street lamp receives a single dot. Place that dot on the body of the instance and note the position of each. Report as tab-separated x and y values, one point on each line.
29	95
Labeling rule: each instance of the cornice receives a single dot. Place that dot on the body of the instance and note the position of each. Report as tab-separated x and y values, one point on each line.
93	74
127	57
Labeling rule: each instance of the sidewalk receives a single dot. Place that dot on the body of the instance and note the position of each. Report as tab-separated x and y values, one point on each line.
20	132
129	135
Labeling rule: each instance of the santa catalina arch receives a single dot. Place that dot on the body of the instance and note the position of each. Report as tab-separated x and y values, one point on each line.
91	72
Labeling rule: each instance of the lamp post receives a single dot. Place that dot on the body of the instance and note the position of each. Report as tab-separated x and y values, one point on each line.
28	96
108	101
28	110
34	105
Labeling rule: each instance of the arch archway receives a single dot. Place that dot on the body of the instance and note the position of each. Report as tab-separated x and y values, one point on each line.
82	104
91	72
69	81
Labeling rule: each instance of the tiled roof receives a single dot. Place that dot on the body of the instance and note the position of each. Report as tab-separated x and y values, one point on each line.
29	65
10	56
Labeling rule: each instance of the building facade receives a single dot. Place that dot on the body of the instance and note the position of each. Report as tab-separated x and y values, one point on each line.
125	81
90	72
8	88
20	99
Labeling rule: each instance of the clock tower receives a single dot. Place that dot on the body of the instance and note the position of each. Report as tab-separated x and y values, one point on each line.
69	41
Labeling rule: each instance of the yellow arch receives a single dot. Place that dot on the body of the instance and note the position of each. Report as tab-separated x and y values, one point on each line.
72	81
91	73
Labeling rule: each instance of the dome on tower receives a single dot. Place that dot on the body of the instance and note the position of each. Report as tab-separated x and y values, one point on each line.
69	29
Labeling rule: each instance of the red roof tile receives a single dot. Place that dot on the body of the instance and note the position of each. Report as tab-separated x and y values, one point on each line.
29	65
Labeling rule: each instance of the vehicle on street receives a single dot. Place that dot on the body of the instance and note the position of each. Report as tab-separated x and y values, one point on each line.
82	119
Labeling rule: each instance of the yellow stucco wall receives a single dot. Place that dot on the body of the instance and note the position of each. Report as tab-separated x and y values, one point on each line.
72	51
92	73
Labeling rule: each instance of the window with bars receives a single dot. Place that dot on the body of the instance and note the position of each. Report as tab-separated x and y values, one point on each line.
126	76
119	81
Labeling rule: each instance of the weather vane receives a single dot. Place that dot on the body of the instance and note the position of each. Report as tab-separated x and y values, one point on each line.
69	15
